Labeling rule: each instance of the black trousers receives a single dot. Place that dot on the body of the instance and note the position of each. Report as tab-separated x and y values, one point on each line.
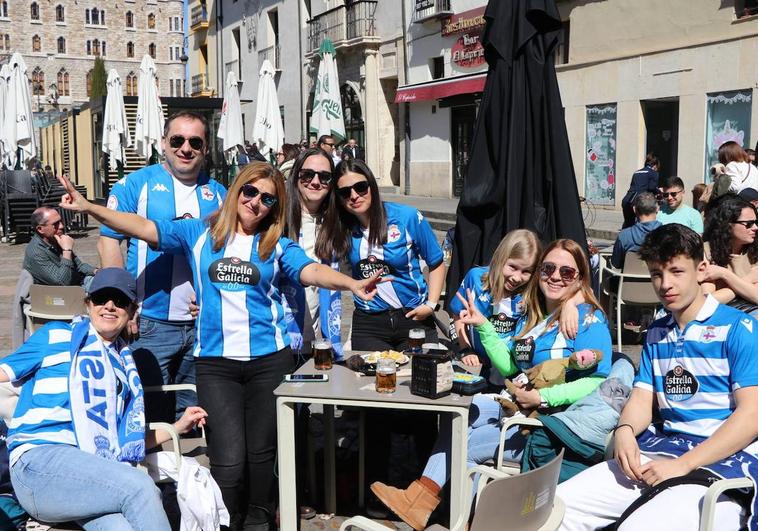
241	430
383	331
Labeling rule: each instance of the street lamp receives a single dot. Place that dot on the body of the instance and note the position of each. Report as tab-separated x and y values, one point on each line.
184	58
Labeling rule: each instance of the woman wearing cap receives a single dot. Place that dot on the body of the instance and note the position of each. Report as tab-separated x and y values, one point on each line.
80	417
238	258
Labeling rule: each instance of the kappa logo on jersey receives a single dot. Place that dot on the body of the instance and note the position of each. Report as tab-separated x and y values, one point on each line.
207	193
234	274
112	202
159	187
591	318
368	266
484	297
708	334
393	233
679	384
747	322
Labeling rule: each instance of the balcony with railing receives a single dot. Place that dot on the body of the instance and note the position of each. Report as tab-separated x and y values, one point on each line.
425	10
199	18
344	25
273	54
200	85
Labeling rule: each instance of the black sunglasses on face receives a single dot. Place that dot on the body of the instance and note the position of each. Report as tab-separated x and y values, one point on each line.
250	191
195	142
664	195
307	175
748	223
566	273
328	144
101	298
361	188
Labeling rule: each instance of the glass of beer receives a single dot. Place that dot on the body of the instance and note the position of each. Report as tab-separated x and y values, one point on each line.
416	338
386	375
322	354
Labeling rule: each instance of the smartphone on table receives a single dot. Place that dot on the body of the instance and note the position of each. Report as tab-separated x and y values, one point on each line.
306	377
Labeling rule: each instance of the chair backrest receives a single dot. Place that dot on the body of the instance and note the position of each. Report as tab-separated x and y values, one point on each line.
522	502
634	265
18	181
637	290
56	301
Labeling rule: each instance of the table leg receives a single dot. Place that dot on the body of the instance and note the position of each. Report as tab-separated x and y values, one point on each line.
330	489
459	450
285	430
362	459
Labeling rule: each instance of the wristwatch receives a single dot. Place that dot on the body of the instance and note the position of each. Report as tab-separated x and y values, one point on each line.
434	305
543	403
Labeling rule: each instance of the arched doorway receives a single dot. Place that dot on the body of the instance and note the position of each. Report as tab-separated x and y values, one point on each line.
351	110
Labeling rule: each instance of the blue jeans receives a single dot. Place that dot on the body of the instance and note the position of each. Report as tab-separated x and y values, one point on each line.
163	355
483	438
60	483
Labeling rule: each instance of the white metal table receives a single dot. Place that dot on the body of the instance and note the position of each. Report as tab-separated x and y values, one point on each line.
348	388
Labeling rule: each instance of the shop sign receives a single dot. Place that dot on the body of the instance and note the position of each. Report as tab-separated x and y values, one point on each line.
467	27
422	5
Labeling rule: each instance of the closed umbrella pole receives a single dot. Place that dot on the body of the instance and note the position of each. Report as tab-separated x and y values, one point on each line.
327	117
17	128
5	74
115	127
268	132
149	127
230	130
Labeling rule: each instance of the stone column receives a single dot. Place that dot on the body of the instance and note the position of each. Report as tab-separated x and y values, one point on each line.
371	116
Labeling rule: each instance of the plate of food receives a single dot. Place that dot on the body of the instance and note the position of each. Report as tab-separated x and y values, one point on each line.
399	357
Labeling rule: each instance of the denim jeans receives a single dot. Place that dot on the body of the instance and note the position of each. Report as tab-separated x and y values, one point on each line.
163	355
483	438
60	483
241	431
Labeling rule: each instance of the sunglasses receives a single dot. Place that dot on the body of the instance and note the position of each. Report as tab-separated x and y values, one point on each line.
361	188
250	191
178	141
566	273
101	298
307	175
748	223
328	144
664	195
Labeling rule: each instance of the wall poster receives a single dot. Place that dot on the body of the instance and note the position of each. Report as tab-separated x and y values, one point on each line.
600	166
727	118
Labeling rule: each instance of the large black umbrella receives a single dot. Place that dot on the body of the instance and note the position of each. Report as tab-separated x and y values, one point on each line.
520	173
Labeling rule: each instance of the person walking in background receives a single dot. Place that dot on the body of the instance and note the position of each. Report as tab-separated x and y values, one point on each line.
630	239
176	189
285	158
50	257
353	151
643	180
674	210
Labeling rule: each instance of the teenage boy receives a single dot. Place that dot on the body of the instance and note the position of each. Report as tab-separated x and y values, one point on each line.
698	366
673	209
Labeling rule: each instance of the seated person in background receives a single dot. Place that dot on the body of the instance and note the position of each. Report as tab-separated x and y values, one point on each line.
698	368
49	256
80	419
674	210
732	252
629	239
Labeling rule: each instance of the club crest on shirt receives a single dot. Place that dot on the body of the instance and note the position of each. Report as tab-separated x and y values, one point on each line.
234	274
370	265
708	334
207	193
334	317
521	306
393	233
112	202
680	384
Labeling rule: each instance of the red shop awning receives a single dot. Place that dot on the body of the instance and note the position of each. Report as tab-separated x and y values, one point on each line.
441	88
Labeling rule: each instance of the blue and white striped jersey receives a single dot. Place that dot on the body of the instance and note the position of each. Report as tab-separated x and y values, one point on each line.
164	282
504	315
241	314
43	412
694	372
409	237
543	343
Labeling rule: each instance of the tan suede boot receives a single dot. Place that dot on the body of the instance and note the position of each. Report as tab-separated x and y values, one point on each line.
414	504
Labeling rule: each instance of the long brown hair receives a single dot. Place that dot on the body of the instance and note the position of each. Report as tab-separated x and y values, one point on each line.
519	244
535	299
295	205
334	239
223	222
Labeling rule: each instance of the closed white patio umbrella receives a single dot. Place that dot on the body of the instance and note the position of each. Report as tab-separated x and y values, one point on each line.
230	129
17	128
268	131
115	128
149	128
327	117
5	74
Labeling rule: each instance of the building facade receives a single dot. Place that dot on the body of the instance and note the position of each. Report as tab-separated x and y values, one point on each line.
60	39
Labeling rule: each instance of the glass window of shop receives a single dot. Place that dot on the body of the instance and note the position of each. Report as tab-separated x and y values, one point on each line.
727	118
600	163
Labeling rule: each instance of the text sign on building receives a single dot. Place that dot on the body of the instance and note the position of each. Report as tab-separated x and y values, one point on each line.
467	27
422	5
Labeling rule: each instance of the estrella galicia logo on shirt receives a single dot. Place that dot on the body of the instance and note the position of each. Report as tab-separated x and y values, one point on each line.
679	384
503	324
368	266
523	350
234	274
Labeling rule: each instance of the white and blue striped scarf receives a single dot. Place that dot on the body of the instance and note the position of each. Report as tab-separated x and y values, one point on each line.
108	422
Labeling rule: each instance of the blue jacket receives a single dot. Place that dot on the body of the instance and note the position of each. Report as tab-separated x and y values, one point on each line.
643	180
630	239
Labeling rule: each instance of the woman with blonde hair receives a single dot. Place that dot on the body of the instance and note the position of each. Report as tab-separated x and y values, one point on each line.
563	273
238	258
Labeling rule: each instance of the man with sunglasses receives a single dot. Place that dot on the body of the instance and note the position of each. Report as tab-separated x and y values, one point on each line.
329	145
673	209
49	256
178	188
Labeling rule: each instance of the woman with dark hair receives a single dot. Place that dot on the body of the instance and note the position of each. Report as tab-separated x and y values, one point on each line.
285	158
732	250
643	180
563	273
238	257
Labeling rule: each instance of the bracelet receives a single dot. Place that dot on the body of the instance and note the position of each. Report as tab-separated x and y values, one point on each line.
621	426
64	250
